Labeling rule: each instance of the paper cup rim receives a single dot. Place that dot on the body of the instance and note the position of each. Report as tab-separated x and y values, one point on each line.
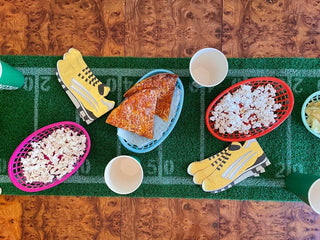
108	167
197	53
309	195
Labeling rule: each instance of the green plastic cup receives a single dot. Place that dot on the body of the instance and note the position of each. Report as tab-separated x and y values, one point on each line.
10	78
306	187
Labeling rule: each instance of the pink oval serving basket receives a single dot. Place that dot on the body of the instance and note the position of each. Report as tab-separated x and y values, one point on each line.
15	168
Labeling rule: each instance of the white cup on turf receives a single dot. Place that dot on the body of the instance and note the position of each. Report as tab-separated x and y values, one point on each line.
123	174
208	67
306	187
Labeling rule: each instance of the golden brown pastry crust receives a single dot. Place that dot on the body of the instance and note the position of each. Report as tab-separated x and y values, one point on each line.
136	113
165	83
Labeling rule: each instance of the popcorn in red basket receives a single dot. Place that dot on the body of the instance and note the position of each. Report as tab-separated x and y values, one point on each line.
245	109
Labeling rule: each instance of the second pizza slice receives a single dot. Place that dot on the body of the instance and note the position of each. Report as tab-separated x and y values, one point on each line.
165	83
136	113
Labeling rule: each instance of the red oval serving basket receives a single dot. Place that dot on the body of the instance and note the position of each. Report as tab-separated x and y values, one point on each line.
284	96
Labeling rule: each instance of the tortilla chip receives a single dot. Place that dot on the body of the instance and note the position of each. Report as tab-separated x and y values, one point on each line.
165	83
136	113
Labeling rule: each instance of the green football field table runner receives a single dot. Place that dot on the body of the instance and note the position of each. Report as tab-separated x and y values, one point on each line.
42	101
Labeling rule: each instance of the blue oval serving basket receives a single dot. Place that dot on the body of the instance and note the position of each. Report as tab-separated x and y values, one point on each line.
155	143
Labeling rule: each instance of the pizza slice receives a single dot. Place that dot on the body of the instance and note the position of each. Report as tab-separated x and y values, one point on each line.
136	113
165	83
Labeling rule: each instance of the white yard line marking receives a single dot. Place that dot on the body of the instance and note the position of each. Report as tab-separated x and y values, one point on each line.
77	116
118	147
122	72
202	122
289	137
4	179
273	72
289	146
160	165
249	182
119	99
36	102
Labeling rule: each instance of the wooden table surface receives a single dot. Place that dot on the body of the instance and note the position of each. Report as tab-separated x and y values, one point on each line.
157	28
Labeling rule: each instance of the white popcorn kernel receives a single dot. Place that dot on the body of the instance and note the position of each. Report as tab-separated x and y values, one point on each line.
54	156
245	109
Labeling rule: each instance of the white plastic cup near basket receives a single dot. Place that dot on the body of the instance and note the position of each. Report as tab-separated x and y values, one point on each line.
208	67
123	174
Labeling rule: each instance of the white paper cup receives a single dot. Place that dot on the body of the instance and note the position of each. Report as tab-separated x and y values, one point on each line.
306	187
314	196
208	67
123	174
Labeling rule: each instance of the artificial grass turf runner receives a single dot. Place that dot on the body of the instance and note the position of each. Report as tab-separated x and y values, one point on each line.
42	101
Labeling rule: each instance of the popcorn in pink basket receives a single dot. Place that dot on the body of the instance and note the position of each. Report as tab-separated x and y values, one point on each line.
54	156
245	109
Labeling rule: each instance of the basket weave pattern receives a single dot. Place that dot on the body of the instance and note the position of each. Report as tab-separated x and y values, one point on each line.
15	168
284	96
155	143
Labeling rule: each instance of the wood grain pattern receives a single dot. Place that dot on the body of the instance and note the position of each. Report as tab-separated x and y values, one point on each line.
267	220
252	220
52	27
10	218
49	217
150	28
171	28
169	219
302	222
271	28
